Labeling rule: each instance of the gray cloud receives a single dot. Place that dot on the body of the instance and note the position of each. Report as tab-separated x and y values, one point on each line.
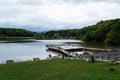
43	2
86	1
56	14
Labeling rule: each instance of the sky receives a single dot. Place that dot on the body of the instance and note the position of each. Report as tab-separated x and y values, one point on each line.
45	15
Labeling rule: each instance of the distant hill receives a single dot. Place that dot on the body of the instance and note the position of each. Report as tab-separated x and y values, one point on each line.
107	32
12	32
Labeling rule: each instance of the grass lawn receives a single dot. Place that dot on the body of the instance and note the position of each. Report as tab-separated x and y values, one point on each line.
59	70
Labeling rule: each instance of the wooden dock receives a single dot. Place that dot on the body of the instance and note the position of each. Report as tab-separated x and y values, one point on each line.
101	55
67	50
59	49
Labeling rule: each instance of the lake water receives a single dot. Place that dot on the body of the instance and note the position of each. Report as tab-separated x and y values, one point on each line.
23	51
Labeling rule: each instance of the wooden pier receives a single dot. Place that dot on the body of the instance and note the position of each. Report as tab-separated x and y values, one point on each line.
98	54
67	50
59	49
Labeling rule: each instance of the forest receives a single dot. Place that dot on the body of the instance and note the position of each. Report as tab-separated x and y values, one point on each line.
107	32
14	32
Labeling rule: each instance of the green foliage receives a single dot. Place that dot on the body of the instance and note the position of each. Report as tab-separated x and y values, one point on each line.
12	32
56	35
104	31
113	37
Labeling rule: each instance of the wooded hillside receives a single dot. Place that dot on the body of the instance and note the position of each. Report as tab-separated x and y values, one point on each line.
107	32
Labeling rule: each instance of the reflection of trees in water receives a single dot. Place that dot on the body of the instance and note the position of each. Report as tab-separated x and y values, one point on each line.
93	44
17	41
98	45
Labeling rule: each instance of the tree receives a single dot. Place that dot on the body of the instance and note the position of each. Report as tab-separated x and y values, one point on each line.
56	35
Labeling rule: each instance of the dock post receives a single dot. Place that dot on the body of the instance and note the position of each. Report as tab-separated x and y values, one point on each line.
92	59
63	56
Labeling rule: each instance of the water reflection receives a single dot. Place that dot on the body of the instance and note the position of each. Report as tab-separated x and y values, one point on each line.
18	51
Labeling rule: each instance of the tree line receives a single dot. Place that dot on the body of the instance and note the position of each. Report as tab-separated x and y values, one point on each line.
107	32
12	32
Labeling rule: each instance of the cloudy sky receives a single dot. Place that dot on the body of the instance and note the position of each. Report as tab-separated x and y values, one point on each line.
43	15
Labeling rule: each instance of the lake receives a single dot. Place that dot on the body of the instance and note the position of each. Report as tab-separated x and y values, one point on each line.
24	51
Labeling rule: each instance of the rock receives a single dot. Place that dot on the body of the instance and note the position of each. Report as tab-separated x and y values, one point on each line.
9	61
36	59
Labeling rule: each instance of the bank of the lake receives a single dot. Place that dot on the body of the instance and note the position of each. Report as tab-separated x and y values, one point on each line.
59	70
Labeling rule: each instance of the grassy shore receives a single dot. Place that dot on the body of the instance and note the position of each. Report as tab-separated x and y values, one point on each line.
59	70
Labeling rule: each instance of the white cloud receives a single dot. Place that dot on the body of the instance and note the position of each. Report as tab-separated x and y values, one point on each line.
53	14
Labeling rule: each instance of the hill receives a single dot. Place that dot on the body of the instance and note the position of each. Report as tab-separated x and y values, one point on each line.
107	32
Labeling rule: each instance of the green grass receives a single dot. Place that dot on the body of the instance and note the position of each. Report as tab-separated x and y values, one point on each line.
59	70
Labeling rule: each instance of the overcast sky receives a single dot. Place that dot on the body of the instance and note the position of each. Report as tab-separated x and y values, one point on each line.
42	15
